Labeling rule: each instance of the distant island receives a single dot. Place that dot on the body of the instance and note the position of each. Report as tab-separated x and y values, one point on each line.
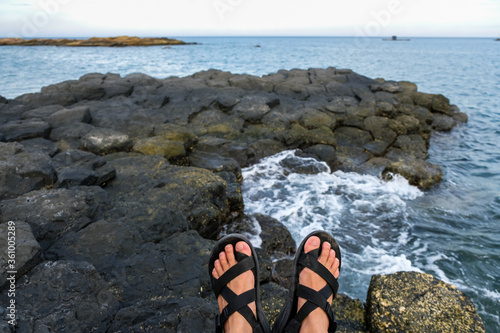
120	41
396	39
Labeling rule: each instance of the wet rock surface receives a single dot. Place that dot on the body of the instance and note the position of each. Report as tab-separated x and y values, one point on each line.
119	186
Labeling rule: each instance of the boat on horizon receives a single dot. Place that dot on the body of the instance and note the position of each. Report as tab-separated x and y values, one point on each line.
396	39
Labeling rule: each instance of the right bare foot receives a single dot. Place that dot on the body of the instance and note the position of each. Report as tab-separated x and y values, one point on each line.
317	320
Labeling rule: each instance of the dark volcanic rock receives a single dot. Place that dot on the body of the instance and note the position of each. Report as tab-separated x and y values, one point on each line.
187	314
418	172
52	213
65	116
163	271
24	129
102	243
124	183
76	167
349	314
26	249
22	172
273	299
214	162
275	236
148	188
38	145
105	141
75	299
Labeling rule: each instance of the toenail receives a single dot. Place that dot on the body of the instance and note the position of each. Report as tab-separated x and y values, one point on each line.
239	247
315	241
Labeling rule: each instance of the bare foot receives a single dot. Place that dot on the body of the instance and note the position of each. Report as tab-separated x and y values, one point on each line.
244	282
317	320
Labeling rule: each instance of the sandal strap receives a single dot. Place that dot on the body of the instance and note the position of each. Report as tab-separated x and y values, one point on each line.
314	297
238	303
310	260
241	267
294	325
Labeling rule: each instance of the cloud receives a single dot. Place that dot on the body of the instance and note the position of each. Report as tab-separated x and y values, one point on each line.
250	17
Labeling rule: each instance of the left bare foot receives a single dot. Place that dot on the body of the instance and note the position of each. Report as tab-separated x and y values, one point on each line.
244	282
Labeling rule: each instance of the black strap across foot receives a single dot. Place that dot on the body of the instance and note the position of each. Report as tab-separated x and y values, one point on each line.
314	299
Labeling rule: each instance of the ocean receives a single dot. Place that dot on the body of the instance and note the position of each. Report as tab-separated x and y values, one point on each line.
451	231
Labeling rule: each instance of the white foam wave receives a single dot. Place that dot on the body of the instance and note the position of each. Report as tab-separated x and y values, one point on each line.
380	261
438	272
307	201
493	294
254	236
366	214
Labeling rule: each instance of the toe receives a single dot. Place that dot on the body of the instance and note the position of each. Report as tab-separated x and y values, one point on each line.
215	274
331	259
325	253
230	255
218	268
223	261
335	268
311	244
243	247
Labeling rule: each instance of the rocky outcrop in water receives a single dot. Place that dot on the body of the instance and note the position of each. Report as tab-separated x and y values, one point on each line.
417	302
119	41
118	186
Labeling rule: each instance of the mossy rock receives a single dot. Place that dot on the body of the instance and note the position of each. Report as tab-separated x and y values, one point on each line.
418	302
160	146
349	314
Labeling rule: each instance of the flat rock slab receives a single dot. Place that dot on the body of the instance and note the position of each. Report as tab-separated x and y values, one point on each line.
75	299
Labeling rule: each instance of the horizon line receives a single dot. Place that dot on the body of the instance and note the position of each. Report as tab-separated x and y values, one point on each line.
250	36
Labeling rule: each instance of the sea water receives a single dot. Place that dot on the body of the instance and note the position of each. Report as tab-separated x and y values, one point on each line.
451	231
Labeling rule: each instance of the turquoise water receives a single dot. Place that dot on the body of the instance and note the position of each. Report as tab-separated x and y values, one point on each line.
451	231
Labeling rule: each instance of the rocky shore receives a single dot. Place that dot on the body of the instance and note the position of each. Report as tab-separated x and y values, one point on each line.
119	41
117	188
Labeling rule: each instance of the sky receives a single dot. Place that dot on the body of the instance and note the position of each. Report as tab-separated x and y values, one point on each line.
173	18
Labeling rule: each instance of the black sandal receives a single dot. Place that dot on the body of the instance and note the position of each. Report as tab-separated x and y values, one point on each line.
289	320
238	302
